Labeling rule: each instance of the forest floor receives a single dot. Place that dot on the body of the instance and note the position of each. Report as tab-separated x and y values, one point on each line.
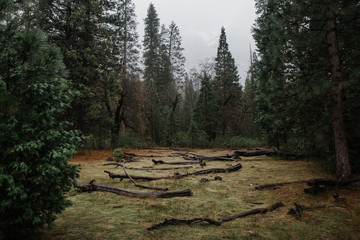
102	215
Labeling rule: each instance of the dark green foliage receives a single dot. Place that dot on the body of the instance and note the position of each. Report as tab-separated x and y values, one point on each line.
206	109
34	143
187	105
158	76
170	134
79	29
297	90
226	84
151	44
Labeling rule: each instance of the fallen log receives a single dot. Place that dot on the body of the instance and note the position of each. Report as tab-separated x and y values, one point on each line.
274	185
130	193
212	158
175	163
175	221
331	182
147	168
256	152
176	176
254	211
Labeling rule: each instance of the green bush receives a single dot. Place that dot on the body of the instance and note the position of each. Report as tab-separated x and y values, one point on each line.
34	144
118	154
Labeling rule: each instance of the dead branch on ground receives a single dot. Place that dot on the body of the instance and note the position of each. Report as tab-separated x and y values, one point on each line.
130	193
147	168
174	221
200	172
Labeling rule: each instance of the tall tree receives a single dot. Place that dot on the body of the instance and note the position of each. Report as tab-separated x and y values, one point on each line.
227	88
175	53
34	143
79	29
206	109
118	85
161	91
151	44
300	47
187	105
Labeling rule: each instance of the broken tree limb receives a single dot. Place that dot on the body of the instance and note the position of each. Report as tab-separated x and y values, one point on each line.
175	163
175	221
126	192
212	158
148	168
143	186
254	211
200	172
123	176
274	185
331	182
256	152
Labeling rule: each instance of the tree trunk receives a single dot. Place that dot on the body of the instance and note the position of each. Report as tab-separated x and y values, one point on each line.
343	169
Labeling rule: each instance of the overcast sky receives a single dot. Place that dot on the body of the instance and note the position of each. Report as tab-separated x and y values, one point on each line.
200	22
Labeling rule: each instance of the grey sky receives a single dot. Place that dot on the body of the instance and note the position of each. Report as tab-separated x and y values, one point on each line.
200	22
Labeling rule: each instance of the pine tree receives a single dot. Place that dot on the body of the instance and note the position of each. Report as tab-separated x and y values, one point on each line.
157	74
118	85
299	42
206	109
228	90
187	105
151	44
34	143
175	53
170	134
80	29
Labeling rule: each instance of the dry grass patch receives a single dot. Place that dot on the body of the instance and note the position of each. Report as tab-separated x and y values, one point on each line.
104	216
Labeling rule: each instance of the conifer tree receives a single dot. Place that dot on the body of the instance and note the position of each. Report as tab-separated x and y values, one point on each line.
79	28
175	53
118	85
151	44
226	84
206	109
34	142
300	47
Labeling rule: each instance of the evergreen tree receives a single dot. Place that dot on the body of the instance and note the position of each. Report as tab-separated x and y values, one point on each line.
187	105
227	88
80	29
118	84
300	44
170	133
206	109
34	143
151	44
157	75
175	53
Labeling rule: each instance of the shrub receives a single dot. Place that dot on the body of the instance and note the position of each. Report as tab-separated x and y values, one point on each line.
34	144
118	153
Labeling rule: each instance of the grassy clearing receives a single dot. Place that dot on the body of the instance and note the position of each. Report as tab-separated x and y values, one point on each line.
108	216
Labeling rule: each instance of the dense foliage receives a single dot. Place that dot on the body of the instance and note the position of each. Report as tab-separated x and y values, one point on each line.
307	76
35	143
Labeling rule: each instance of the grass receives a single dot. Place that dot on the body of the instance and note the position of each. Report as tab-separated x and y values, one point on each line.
104	216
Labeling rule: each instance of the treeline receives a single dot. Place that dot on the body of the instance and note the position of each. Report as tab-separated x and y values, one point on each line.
125	93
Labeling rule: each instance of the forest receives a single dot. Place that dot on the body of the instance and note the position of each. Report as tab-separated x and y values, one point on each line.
75	76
